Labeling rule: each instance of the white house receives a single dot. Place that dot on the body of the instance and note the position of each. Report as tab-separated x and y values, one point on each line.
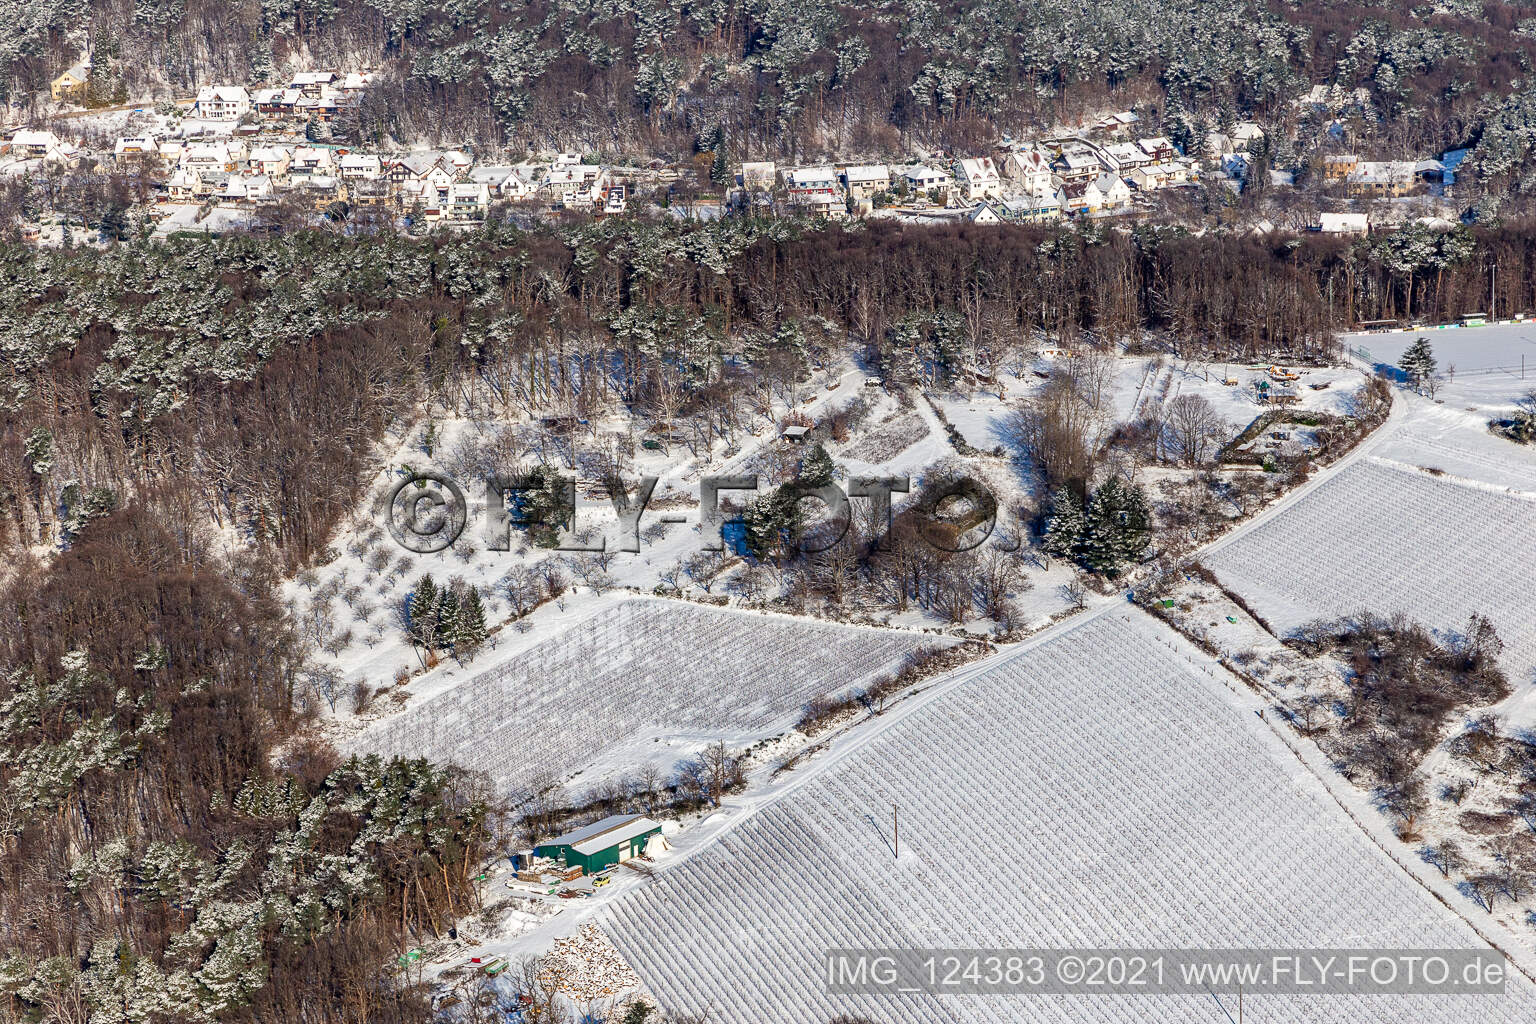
1030	169
204	157
759	175
982	213
1158	148
979	178
573	183
310	162
923	178
1082	196
223	102
1126	155
812	181
184	186
1344	223
1114	193
864	180
1078	163
32	144
271	161
1042	207
315	84
467	202
360	167
133	147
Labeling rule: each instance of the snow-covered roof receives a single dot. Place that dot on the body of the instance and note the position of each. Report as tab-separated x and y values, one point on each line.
32	138
605	832
979	168
867	172
809	176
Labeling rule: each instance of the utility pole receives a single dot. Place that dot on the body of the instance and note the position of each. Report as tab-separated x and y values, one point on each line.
896	829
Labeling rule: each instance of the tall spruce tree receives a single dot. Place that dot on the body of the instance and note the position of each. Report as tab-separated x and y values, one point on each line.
1065	525
449	621
471	630
1118	527
421	614
1418	364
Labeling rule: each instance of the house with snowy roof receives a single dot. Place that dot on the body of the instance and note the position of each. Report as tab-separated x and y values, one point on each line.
222	102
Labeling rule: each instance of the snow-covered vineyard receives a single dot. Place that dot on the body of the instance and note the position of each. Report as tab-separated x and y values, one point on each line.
616	687
1341	551
1104	788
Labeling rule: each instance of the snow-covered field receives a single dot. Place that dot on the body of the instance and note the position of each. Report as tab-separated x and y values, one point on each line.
1493	365
1387	537
1100	789
641	681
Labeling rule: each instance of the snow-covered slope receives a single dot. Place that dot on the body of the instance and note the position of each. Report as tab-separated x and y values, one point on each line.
640	680
1102	789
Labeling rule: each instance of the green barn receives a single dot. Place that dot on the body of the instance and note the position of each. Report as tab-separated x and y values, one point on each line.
593	847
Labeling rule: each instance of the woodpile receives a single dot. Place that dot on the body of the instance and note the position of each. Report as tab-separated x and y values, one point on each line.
586	967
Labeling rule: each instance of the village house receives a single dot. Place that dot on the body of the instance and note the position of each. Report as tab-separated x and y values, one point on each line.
983	213
1124	156
468	202
1372	179
32	144
205	157
1082	196
1159	175
130	148
1030	169
271	161
323	190
311	162
1338	166
759	176
1114	193
360	167
1077	163
313	84
1115	124
1344	223
812	181
978	177
864	180
615	201
1158	148
277	102
572	184
1035	209
223	102
72	84
923	178
253	188
184	186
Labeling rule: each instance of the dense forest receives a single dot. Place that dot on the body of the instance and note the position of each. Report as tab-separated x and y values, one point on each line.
182	424
746	78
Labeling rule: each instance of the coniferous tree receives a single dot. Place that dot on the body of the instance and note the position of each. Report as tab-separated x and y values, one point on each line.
471	624
1117	527
1065	526
817	469
449	622
422	613
1418	364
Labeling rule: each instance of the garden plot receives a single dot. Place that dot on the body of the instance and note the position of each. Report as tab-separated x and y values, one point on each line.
1097	790
1389	538
645	679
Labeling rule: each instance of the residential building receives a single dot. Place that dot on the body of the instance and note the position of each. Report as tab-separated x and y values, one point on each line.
983	213
759	176
812	181
864	180
1082	196
310	162
978	177
277	102
1124	156
72	84
1338	166
129	148
923	178
468	202
223	102
1030	169
1077	163
1344	223
1113	191
32	144
1040	208
1373	179
1158	148
271	161
204	157
360	167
